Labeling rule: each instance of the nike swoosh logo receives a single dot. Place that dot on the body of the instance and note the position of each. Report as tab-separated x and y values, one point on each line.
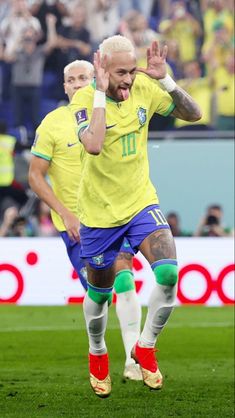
110	126
70	145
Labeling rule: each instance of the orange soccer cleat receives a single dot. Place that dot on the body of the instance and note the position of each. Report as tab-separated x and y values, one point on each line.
99	374
152	376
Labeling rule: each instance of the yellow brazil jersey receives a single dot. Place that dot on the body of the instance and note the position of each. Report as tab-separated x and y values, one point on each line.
115	184
56	141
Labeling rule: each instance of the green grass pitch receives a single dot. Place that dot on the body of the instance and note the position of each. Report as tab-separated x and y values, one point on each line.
44	374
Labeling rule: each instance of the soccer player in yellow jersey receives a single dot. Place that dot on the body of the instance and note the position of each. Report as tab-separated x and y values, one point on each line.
56	152
116	197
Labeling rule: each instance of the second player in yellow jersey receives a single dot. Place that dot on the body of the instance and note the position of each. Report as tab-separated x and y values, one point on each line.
56	141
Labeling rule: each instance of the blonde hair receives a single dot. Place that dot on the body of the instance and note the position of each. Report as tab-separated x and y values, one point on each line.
116	43
79	63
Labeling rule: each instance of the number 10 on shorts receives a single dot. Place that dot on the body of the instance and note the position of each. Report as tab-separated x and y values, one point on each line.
158	217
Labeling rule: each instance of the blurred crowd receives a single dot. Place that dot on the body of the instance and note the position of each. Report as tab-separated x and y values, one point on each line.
39	37
34	220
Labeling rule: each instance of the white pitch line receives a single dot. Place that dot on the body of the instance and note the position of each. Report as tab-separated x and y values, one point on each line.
113	327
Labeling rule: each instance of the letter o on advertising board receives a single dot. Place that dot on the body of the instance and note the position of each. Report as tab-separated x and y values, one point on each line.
20	283
211	285
226	270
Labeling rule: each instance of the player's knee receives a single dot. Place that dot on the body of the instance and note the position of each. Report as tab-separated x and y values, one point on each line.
100	295
166	272
124	281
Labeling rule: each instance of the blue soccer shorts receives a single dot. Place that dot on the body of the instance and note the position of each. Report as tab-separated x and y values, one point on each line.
99	246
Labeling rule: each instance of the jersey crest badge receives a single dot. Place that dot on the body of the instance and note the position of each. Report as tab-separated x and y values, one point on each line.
142	116
98	259
81	116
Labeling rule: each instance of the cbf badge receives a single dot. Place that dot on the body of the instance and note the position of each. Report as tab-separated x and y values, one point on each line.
98	259
142	116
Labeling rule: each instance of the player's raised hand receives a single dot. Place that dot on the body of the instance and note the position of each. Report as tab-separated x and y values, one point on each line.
101	75
156	61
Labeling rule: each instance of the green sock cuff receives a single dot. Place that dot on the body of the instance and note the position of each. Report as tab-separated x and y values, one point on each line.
166	274
124	281
99	297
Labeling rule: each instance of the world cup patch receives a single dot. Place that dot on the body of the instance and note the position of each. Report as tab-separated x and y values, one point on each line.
81	116
98	259
142	115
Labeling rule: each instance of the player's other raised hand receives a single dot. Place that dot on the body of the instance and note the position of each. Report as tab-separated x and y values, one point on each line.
101	75
156	61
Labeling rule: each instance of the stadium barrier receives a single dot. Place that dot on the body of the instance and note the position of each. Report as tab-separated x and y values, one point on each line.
36	271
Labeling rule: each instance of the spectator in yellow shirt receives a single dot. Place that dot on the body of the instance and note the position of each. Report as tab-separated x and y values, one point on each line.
219	47
223	78
215	12
201	90
184	28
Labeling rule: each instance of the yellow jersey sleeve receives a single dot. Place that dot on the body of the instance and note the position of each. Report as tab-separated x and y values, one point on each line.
161	102
81	106
44	141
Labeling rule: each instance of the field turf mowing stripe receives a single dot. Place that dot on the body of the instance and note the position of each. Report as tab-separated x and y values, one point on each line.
43	372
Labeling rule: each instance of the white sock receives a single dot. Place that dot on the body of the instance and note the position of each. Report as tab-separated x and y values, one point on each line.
96	316
161	304
128	311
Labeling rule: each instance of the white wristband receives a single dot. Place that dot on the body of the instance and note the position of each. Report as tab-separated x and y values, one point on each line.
99	99
168	83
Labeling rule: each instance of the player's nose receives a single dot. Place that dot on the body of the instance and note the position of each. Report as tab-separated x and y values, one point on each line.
128	79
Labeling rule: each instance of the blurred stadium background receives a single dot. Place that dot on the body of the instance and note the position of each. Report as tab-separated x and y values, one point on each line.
192	167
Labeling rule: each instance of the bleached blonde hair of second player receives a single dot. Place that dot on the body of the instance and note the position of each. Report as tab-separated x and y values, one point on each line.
116	43
79	63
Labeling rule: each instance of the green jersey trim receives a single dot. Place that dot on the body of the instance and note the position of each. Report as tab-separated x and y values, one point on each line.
81	128
38	154
169	110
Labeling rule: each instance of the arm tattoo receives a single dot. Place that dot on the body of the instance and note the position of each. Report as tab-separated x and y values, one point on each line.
186	107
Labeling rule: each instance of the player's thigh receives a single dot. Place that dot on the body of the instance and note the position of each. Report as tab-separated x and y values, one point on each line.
158	245
102	278
124	261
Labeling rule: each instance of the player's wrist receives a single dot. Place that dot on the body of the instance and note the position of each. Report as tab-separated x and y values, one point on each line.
99	99
168	83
